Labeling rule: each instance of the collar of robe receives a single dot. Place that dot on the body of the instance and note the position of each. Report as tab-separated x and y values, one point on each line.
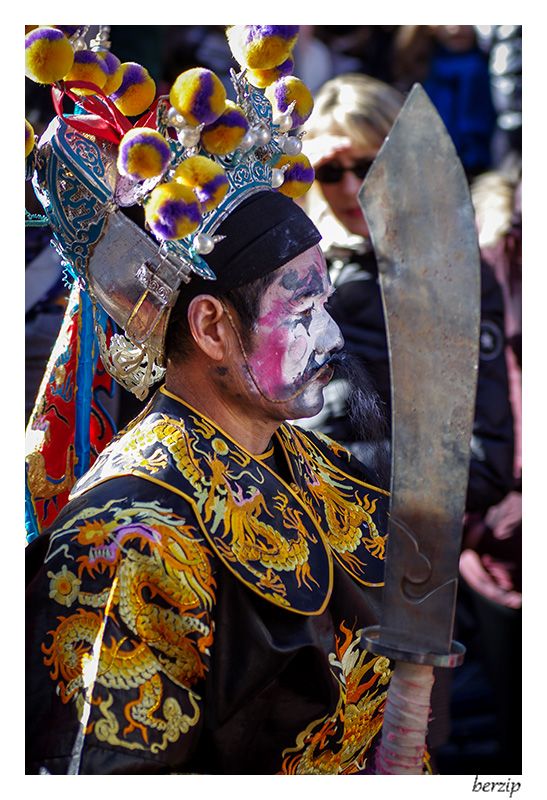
279	538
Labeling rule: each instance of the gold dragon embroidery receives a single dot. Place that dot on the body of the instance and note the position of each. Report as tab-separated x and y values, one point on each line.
248	539
339	743
235	510
164	591
267	538
349	514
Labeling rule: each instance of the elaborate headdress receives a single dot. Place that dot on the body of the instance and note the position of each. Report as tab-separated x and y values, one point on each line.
189	159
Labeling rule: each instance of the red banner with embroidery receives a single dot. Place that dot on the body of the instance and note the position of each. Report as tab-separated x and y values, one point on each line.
51	450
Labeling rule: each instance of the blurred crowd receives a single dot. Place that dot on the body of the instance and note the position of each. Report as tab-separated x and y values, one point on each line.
359	76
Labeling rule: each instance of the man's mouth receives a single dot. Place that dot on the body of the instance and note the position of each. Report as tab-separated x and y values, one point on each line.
325	374
318	372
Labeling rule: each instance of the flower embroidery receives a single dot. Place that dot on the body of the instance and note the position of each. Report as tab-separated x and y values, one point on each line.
64	586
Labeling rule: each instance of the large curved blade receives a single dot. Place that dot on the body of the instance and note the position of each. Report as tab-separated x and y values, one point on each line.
417	205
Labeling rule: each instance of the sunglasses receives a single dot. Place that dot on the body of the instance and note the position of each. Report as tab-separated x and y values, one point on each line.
333	172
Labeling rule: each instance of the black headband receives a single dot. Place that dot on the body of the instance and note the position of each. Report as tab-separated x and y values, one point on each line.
262	234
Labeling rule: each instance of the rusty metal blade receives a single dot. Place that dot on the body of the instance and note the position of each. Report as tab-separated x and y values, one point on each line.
418	209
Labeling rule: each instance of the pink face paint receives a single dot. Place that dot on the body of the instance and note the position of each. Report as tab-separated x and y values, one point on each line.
296	335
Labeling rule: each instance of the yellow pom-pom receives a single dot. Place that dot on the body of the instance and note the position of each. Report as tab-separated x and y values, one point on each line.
199	95
136	92
264	77
87	66
29	138
172	211
113	69
286	91
261	47
206	177
298	175
226	132
143	153
48	55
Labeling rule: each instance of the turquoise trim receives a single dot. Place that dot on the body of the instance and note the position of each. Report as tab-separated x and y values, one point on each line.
31	522
88	351
35	220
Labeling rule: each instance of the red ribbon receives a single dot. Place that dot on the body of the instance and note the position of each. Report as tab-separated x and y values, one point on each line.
148	119
103	118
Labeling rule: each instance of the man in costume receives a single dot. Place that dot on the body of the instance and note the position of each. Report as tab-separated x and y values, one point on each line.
198	605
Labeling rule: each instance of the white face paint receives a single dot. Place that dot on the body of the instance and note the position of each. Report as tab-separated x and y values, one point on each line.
296	336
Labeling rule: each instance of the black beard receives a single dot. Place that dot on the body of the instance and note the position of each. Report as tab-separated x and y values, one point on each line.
368	423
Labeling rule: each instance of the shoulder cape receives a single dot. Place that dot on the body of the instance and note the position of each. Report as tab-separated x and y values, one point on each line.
278	538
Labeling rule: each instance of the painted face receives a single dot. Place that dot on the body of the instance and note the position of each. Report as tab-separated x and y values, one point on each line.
296	337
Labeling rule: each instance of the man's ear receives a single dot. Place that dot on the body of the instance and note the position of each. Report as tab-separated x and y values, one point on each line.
209	326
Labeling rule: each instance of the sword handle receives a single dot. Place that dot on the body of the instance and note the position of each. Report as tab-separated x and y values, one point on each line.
404	729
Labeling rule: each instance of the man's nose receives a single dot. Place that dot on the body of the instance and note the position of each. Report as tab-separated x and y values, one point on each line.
332	340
